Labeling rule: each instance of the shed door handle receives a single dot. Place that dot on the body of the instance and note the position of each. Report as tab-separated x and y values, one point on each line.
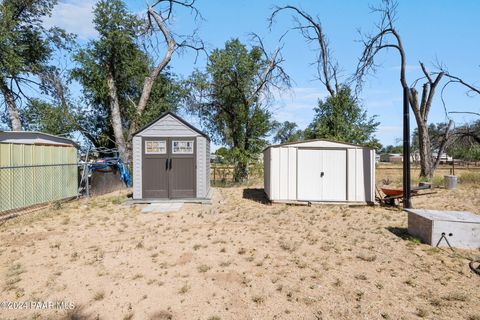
322	174
170	164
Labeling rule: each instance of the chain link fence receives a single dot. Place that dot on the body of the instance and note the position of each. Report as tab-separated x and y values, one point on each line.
29	186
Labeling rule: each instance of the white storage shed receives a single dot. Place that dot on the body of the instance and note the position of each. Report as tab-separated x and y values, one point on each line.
319	171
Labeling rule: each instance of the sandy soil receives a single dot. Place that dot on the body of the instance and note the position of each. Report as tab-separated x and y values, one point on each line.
237	259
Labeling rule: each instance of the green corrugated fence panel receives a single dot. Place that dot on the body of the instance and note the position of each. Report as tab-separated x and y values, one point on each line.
21	187
5	177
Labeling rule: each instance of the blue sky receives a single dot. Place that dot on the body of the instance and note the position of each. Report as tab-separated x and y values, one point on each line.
443	30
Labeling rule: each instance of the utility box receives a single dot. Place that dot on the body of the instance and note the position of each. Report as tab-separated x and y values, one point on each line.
460	228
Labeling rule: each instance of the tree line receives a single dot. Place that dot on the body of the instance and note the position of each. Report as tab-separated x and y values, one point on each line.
126	81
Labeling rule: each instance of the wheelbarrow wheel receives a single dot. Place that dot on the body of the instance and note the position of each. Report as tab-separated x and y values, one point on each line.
389	201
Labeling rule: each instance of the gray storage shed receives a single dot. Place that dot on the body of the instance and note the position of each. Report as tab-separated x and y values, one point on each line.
171	160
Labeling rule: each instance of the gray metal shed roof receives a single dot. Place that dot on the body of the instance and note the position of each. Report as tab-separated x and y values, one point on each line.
34	137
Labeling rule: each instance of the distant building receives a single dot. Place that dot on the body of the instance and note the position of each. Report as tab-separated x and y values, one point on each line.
444	158
391	157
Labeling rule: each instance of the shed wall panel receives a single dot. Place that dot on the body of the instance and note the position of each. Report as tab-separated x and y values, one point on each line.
372	176
283	174
292	173
137	167
351	175
360	175
207	171
275	173
266	172
201	167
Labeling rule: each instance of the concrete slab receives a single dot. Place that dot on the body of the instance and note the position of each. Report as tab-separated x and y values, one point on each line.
207	200
162	207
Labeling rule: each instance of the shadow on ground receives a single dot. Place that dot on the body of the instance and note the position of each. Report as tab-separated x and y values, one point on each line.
255	194
403	234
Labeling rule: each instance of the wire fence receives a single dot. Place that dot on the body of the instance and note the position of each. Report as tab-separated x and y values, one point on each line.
222	175
28	186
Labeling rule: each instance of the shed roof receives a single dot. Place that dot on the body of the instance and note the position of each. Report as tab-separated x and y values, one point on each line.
318	143
34	137
183	121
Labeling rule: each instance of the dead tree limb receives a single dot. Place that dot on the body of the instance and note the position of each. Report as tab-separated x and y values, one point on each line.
311	29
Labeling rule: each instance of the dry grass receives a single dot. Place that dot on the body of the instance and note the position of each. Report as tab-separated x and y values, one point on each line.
237	259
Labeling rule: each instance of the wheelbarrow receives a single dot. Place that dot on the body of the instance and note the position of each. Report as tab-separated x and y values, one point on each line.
390	196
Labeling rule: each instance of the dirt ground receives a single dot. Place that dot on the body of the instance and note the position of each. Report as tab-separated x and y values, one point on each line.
239	258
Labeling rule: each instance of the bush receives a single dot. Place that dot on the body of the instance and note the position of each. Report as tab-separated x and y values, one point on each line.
470	177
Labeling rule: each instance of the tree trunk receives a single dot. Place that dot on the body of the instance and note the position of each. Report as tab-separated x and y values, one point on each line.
116	118
13	113
426	169
241	171
443	145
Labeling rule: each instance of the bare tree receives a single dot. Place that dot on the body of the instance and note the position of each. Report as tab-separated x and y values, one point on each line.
311	29
159	17
387	37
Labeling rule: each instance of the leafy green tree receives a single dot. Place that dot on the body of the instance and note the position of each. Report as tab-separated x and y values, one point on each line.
229	97
49	118
26	50
121	77
392	149
112	71
287	132
341	118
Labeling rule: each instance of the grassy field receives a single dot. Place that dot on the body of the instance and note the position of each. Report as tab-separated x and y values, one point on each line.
239	258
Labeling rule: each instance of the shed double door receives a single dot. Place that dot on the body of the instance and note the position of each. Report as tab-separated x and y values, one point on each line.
168	168
322	174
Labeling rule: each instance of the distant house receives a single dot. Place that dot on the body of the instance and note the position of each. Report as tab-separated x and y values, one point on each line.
444	158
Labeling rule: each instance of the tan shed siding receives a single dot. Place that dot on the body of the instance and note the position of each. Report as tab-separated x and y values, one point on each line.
137	167
26	186
201	167
168	127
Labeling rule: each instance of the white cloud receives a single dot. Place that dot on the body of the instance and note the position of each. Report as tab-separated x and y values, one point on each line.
296	104
75	16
